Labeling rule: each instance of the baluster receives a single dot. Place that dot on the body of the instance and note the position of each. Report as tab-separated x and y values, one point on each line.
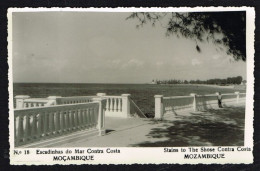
39	129
57	122
120	105
107	105
26	127
116	105
22	123
62	121
20	129
95	116
91	119
75	119
80	118
111	105
34	126
46	124
51	123
83	112
70	120
67	120
87	118
34	104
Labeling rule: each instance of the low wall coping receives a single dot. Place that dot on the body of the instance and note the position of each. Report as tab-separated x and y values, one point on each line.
126	95
22	97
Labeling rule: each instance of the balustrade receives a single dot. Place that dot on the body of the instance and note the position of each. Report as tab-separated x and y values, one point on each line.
114	103
164	105
34	124
74	99
116	106
27	102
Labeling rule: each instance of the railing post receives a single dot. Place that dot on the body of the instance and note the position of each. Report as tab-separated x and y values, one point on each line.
101	94
20	101
101	115
237	93
195	107
158	106
53	100
126	105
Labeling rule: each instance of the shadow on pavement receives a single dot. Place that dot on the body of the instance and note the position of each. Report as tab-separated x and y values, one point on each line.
216	127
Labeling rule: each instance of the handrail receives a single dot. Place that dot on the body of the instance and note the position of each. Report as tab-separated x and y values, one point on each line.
176	97
42	100
50	107
137	109
76	97
112	96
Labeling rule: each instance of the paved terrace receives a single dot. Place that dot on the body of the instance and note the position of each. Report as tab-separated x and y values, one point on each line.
185	128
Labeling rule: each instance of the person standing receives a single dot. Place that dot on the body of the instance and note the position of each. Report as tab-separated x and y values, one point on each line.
219	100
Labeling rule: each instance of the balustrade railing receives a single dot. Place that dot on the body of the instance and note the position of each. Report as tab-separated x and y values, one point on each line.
114	104
74	99
165	105
34	124
27	102
36	102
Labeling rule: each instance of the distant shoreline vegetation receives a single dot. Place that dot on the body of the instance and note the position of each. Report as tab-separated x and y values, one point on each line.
216	81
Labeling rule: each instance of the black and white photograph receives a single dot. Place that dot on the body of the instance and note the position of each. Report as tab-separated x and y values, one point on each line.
177	81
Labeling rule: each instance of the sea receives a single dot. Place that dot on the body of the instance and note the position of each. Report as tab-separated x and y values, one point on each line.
142	94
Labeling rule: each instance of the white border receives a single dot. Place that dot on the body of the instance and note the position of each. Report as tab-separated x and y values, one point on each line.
144	155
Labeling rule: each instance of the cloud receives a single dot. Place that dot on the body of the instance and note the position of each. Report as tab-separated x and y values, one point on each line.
116	61
159	63
195	62
133	63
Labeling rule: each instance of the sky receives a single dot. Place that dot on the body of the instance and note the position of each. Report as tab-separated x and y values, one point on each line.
100	47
